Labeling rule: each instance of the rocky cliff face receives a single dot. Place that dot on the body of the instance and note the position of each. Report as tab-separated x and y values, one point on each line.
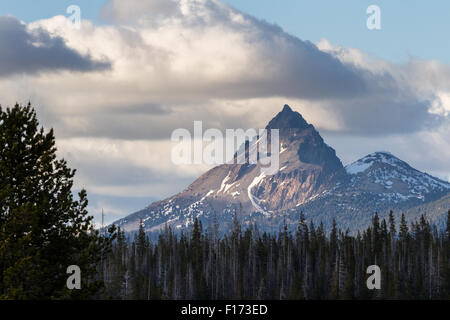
311	178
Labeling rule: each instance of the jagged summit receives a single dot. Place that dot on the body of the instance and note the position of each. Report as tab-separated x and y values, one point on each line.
288	119
286	107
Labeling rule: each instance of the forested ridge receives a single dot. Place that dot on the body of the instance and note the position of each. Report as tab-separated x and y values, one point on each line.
306	264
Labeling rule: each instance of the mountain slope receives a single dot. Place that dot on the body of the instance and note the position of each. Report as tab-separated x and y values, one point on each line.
308	167
311	178
379	182
394	179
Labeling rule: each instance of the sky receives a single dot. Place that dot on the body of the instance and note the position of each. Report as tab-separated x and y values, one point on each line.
115	88
341	22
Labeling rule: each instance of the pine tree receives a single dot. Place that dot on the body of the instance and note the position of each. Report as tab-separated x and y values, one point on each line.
392	229
43	230
403	228
446	261
447	230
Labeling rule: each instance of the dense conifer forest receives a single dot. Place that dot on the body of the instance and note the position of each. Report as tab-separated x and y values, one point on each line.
307	264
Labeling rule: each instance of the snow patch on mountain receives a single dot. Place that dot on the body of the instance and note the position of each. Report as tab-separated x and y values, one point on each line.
207	195
357	167
224	186
365	163
254	200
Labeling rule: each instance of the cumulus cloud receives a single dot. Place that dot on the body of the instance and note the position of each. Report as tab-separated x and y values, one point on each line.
31	51
130	11
214	48
180	59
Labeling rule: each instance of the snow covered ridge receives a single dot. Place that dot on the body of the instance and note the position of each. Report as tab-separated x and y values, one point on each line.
365	163
385	169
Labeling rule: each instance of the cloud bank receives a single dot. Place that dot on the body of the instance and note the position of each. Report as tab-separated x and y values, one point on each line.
32	51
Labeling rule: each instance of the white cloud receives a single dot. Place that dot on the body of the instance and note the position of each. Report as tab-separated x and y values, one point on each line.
106	164
34	50
201	55
441	104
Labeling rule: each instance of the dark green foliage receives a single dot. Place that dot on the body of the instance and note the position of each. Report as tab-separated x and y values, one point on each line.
43	230
306	265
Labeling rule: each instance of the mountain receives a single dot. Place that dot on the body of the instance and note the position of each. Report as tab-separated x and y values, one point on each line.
392	179
311	178
380	182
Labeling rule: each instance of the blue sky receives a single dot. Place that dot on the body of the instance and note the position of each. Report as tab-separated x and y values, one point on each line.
412	29
409	28
28	10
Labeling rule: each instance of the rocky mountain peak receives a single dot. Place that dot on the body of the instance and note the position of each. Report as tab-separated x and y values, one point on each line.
311	178
300	141
288	119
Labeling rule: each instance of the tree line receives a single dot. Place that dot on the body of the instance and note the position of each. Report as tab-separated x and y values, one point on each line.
306	264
